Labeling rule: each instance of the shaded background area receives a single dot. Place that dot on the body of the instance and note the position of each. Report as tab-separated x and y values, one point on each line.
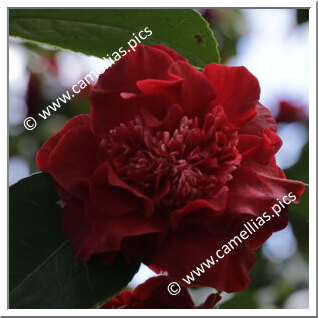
273	45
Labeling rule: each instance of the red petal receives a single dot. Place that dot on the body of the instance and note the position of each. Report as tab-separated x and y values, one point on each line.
115	197
196	92
230	274
212	208
110	109
145	62
43	155
211	301
77	228
74	158
91	231
109	105
257	124
153	293
176	56
123	300
236	89
260	149
288	113
171	89
252	193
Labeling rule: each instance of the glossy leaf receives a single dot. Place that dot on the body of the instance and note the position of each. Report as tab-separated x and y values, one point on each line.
43	269
102	31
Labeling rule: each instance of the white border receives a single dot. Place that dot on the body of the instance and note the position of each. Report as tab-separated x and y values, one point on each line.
312	162
312	159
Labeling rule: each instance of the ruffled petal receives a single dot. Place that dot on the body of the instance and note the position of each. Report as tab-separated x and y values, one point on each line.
211	301
236	89
229	274
92	231
173	54
252	193
114	196
116	97
152	294
208	207
111	109
263	119
171	89
145	62
261	149
196	92
43	155
74	158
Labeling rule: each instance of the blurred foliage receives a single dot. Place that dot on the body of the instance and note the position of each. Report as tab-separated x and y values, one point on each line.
43	87
301	231
299	214
302	15
243	300
228	26
300	171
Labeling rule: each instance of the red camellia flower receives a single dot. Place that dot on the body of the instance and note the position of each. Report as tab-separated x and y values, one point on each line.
169	165
288	112
153	294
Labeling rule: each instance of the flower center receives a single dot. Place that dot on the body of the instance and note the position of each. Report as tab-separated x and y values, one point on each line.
195	161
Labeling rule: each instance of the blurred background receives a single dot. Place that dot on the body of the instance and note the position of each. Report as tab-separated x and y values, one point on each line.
273	45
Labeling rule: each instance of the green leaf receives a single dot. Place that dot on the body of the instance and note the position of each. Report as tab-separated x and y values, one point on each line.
303	207
102	31
300	227
246	299
43	269
300	172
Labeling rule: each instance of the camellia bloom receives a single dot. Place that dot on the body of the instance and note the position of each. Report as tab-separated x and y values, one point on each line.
289	112
153	294
168	166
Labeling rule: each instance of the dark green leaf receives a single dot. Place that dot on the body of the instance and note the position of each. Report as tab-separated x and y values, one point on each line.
303	207
243	300
302	15
43	270
301	231
300	172
102	31
284	288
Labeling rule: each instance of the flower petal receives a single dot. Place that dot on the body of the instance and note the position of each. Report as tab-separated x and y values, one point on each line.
236	89
43	155
133	67
110	100
196	92
74	158
252	193
260	149
229	274
257	124
173	54
91	231
114	196
209	207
